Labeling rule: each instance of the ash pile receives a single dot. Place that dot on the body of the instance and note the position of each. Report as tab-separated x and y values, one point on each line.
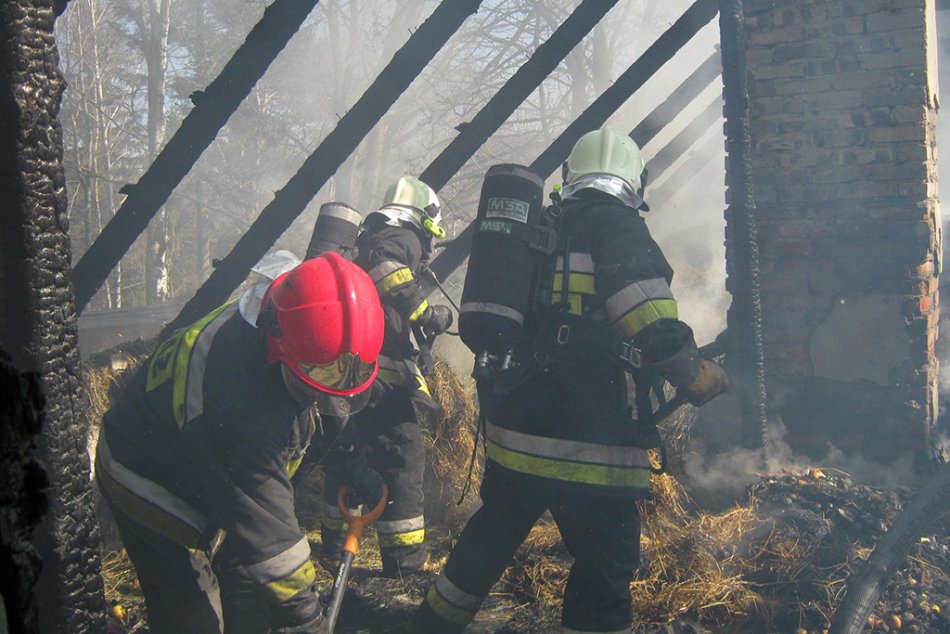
778	562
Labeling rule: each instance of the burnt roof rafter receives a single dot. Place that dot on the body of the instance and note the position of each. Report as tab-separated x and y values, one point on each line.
291	200
213	107
698	15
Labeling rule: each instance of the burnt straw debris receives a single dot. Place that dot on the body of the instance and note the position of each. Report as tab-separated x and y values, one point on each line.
779	560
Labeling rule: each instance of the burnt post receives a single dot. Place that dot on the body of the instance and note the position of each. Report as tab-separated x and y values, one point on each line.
38	332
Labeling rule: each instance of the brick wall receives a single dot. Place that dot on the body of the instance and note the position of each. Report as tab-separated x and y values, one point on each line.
842	114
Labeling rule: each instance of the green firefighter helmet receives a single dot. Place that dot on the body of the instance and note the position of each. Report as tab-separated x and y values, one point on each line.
606	160
412	201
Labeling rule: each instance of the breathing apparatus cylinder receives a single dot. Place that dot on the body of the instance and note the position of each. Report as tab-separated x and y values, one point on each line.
504	259
335	230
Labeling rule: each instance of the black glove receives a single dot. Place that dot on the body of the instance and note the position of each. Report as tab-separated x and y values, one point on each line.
367	485
313	626
301	614
435	320
710	382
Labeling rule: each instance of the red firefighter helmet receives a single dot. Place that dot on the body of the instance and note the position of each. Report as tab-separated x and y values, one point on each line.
323	320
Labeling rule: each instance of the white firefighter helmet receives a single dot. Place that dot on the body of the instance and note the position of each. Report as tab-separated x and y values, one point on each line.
608	161
410	201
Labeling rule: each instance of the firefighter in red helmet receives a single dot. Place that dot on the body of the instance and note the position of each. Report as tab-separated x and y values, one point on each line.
195	456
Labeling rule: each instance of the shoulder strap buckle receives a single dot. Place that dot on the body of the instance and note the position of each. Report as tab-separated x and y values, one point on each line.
630	354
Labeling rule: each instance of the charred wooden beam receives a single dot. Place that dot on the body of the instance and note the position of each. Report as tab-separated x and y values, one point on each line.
747	353
700	156
527	78
680	143
660	52
676	101
292	199
38	330
213	107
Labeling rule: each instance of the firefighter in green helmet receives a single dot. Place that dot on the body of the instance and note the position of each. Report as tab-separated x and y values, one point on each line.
392	245
559	435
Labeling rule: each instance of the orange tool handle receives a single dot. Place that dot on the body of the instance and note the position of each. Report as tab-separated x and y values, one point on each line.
356	523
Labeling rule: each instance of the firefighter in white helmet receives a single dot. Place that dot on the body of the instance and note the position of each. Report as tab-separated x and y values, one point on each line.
393	243
559	435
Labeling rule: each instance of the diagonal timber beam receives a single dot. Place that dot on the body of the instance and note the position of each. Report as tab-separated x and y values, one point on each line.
680	143
213	108
676	101
319	167
661	51
701	155
525	80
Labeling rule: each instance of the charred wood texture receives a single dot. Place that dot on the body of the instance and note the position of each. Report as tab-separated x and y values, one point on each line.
38	324
213	107
660	52
744	318
293	198
682	96
22	493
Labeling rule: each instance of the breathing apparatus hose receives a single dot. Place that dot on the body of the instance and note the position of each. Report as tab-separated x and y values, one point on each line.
863	592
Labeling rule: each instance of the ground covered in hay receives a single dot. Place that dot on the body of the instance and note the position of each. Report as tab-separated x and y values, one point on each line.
776	559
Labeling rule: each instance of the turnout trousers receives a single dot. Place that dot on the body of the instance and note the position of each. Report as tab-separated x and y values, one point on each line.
185	592
600	529
389	435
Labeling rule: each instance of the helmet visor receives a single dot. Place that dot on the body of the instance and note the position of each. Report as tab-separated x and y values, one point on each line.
616	187
345	374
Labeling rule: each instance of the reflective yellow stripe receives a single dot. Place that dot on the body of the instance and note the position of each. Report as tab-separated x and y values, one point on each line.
293	465
634	294
281	590
573	299
421	385
567	450
447	611
638	477
576	283
180	371
417	313
394	279
148	515
401	539
645	314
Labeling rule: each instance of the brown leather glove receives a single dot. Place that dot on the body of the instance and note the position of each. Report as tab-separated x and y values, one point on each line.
710	382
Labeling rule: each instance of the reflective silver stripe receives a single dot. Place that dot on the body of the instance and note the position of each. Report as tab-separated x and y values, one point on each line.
400	526
632	295
281	565
338	210
570	450
455	597
149	490
383	269
194	399
492	309
567	630
576	263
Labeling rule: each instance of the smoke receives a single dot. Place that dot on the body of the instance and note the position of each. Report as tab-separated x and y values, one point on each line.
719	478
943	170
